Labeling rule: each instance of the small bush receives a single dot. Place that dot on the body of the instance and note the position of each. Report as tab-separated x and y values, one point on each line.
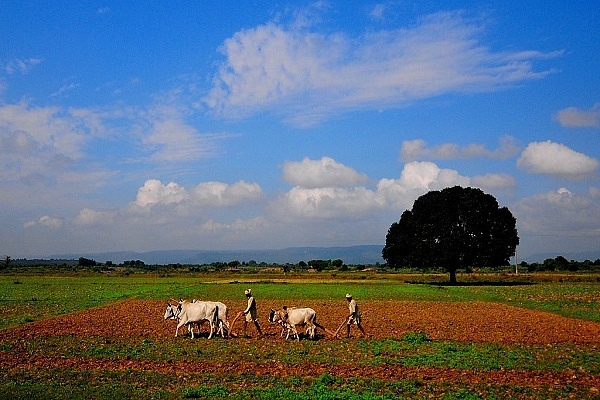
416	338
205	392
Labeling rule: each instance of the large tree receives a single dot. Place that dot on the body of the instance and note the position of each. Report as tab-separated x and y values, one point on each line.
453	228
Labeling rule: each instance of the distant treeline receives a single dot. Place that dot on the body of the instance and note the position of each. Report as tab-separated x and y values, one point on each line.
17	265
559	264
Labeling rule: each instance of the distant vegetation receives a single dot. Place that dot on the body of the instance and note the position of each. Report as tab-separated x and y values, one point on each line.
83	265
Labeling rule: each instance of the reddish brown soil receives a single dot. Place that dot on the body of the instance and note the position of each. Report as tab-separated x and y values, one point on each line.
467	322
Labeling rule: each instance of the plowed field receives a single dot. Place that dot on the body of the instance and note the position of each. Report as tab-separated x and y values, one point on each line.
463	322
467	322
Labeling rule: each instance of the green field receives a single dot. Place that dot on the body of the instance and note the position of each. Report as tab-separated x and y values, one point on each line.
29	298
24	299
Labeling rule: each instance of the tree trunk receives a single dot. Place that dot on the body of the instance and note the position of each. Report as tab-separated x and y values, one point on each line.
452	276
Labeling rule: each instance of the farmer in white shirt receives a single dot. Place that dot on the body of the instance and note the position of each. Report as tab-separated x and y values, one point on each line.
354	317
251	313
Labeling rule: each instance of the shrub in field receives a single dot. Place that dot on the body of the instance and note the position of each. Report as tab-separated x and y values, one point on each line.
416	338
205	392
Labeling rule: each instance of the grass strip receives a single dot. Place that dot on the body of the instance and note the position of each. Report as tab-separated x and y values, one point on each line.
412	350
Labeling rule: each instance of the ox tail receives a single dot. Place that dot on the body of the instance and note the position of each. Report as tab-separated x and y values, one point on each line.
318	325
215	316
226	322
313	320
214	320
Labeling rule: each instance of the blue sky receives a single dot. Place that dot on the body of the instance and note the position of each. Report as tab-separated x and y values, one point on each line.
257	125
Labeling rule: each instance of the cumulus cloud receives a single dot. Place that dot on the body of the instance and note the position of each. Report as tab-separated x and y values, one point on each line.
330	202
353	202
574	117
35	129
46	221
306	75
219	194
154	192
325	172
44	148
206	194
236	215
559	213
416	179
413	150
549	158
47	146
494	181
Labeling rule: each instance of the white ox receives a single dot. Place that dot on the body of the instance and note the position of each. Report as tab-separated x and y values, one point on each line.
303	316
222	315
193	313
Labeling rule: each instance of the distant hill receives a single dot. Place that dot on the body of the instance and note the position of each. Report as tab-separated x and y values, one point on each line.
364	254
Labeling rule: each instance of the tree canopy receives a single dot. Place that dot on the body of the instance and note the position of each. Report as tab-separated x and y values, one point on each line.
452	229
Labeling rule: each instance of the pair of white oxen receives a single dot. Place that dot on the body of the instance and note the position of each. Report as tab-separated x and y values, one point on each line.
196	312
216	313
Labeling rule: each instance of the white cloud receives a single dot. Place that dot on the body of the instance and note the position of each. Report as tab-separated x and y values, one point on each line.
88	216
46	221
219	194
46	129
329	202
557	221
377	11
51	222
355	202
494	181
65	89
49	146
154	192
559	213
22	66
416	179
555	159
206	194
325	172
307	76
574	117
43	153
413	150
168	138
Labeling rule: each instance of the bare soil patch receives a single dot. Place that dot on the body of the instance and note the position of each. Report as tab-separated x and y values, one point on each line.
466	322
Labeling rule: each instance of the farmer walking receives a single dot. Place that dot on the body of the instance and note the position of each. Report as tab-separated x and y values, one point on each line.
251	313
354	317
